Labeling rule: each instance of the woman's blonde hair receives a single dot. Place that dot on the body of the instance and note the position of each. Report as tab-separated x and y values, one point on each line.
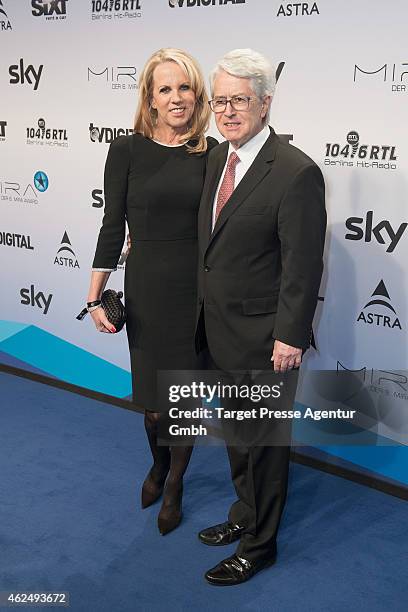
146	115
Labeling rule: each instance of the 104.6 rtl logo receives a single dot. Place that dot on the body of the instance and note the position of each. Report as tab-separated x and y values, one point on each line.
354	153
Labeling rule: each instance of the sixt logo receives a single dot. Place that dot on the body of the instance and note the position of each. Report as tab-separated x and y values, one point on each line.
52	10
353	153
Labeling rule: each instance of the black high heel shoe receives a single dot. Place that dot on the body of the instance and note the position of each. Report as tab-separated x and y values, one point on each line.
152	489
170	514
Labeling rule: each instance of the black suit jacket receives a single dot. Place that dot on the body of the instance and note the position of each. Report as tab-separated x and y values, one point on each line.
260	269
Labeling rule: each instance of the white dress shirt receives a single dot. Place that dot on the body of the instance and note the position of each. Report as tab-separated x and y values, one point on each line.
246	154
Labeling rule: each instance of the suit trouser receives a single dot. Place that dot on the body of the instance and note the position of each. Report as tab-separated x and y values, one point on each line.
260	476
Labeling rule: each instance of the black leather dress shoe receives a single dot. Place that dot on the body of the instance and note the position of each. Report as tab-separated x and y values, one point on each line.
235	570
219	535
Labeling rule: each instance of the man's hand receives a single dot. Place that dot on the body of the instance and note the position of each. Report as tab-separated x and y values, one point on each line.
285	357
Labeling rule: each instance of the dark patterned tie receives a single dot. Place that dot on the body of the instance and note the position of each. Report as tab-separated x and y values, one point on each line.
227	185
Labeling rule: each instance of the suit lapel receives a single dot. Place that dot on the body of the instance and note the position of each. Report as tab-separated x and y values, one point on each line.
259	168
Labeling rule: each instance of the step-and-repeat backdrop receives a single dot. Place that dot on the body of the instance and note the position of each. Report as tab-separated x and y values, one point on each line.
68	80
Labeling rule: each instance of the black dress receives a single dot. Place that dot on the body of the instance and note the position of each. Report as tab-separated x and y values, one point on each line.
157	189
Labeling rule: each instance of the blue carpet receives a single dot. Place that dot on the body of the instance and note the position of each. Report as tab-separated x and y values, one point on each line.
70	520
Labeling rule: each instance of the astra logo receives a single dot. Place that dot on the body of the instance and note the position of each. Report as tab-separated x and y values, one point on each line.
382	232
4	20
118	76
190	3
19	74
97	198
381	302
295	9
3	125
107	134
394	74
53	9
378	156
29	297
65	256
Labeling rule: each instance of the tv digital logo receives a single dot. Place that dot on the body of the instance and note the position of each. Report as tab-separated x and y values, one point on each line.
22	75
353	153
382	232
52	9
107	134
19	241
191	3
298	9
4	20
395	75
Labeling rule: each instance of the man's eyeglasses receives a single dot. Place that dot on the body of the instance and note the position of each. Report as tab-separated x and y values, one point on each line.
238	103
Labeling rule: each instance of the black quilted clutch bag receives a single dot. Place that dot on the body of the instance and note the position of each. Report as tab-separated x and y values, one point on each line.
113	308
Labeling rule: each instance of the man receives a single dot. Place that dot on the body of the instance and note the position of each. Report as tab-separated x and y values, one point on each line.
262	224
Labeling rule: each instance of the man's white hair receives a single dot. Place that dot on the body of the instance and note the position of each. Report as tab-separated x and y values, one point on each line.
248	64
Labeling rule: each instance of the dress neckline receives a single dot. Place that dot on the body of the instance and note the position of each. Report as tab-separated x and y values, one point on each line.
168	145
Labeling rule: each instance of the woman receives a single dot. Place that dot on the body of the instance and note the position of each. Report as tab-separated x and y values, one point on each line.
154	179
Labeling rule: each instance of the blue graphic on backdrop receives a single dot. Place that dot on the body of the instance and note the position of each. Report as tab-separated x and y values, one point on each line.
41	181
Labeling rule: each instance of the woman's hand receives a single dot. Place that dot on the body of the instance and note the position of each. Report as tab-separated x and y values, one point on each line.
101	322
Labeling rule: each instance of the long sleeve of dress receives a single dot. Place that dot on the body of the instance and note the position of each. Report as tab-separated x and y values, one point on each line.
112	232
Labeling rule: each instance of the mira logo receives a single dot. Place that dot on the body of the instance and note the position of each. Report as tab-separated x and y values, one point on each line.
4	20
191	3
379	311
393	74
383	232
65	256
117	77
